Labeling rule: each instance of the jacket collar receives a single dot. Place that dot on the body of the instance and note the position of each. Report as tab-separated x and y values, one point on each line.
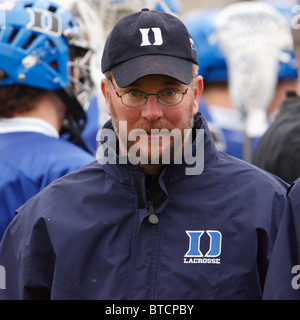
291	101
203	153
27	124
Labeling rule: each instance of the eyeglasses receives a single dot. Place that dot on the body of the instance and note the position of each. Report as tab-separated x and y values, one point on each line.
135	98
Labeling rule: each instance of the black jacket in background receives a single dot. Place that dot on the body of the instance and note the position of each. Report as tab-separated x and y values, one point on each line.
278	150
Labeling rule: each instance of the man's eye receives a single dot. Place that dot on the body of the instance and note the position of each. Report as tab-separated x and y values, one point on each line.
134	93
169	92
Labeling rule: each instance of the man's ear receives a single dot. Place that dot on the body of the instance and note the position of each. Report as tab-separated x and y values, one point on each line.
197	92
105	91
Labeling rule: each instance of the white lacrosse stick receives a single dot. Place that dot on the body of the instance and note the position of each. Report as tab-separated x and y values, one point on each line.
252	36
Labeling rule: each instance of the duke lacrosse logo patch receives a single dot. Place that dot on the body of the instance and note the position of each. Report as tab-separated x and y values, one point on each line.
204	247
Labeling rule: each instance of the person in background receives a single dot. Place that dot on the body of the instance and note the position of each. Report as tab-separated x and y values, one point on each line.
88	19
281	145
283	277
44	83
222	109
279	149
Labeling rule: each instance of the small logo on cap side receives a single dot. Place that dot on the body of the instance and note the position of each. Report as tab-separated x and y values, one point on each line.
193	44
157	37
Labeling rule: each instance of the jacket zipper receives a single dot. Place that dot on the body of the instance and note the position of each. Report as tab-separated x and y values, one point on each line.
153	218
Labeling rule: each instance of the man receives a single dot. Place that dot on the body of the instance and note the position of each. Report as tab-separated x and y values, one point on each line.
147	221
278	151
40	74
283	280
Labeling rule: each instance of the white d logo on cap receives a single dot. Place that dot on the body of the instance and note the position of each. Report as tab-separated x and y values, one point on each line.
157	36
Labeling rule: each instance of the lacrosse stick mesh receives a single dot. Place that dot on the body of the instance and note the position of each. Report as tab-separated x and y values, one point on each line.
253	36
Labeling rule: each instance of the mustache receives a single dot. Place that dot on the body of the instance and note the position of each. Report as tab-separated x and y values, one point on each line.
147	126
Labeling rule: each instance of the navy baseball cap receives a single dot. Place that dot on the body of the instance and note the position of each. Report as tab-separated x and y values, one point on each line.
146	43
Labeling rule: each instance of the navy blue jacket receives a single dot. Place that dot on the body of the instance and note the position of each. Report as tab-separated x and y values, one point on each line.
88	236
283	278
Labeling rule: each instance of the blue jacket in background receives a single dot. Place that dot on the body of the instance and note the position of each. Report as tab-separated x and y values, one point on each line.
88	236
40	158
15	189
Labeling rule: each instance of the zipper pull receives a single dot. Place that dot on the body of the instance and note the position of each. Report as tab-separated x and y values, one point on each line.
153	219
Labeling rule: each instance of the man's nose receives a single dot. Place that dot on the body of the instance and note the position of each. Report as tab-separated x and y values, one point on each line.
152	109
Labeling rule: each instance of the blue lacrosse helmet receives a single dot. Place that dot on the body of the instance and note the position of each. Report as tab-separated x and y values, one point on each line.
172	5
200	24
41	46
35	43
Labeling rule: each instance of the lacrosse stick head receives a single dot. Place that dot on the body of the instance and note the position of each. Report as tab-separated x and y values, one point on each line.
253	36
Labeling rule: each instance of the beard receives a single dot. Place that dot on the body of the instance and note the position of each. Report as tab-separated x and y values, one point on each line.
152	142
